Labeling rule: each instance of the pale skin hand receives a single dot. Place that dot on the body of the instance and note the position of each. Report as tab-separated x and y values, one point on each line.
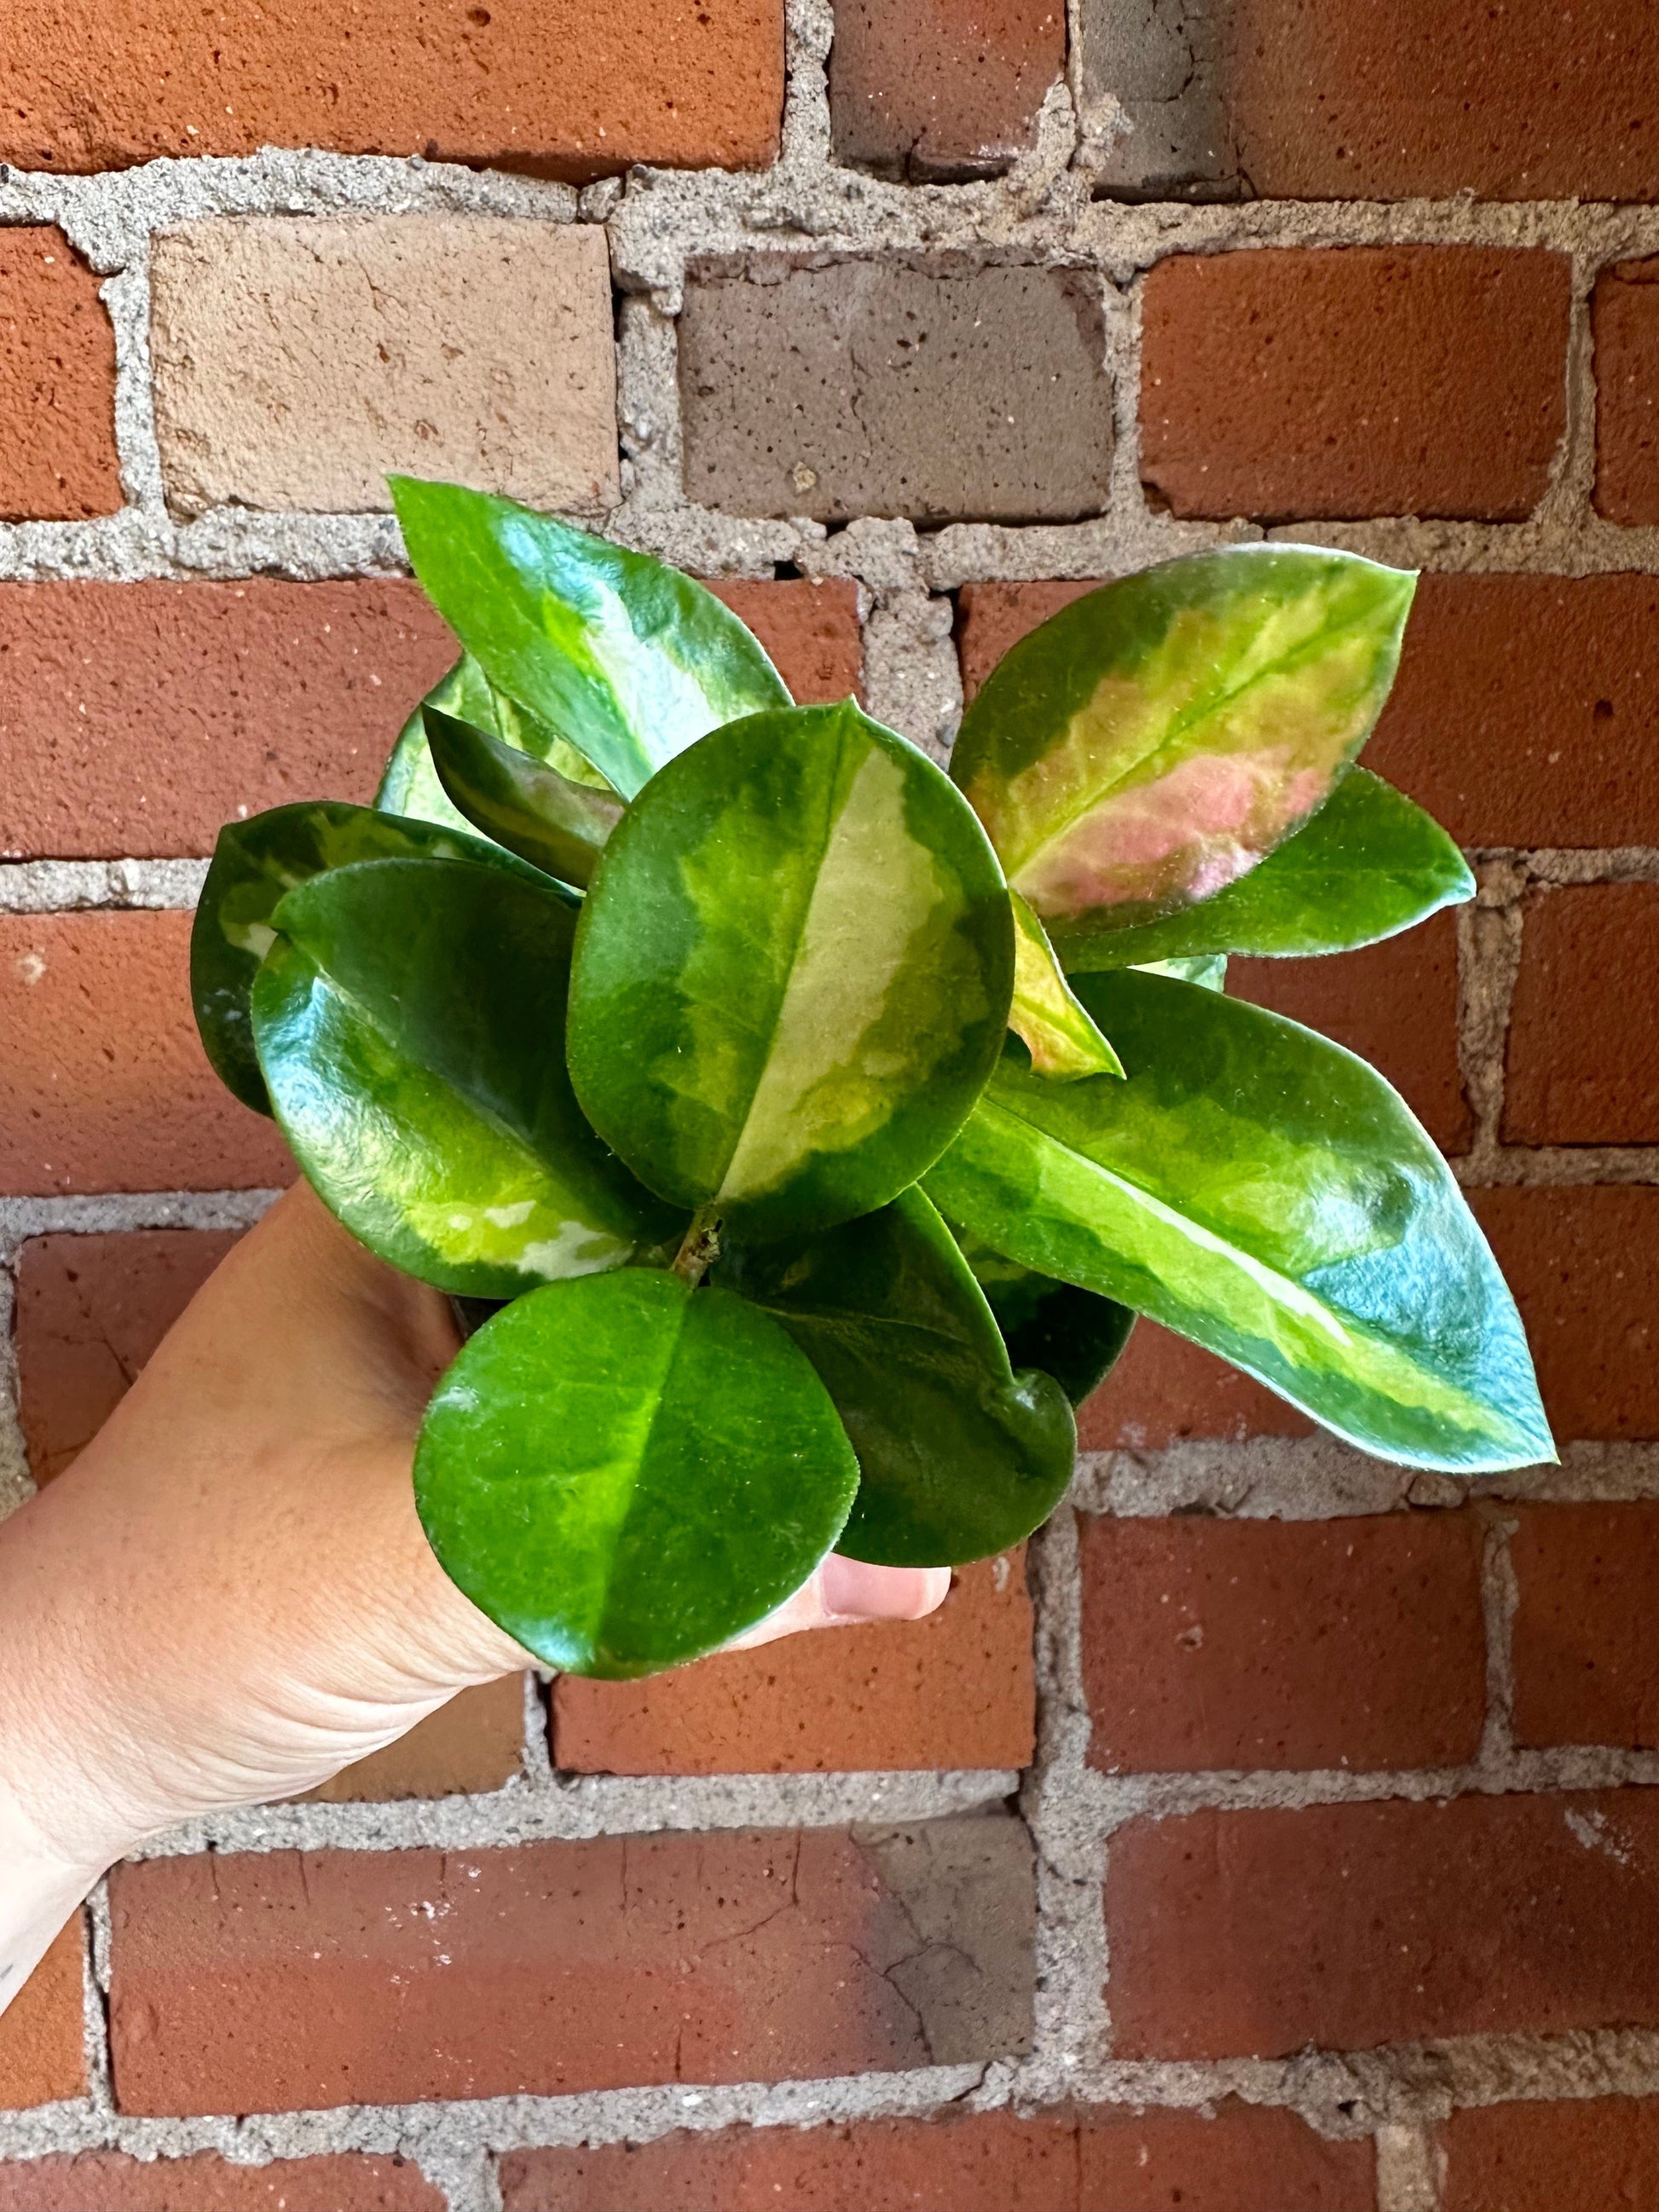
230	1597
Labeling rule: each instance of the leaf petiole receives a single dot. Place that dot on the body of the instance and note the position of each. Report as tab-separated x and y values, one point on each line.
700	1247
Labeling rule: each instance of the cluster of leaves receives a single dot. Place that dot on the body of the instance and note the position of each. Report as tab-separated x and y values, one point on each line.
818	1122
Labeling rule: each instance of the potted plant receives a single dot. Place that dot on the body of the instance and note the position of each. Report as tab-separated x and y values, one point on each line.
812	1123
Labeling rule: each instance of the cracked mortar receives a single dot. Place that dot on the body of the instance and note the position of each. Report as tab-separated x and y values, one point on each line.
806	209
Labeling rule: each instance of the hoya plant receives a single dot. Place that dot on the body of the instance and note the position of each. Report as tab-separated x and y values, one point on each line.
799	1127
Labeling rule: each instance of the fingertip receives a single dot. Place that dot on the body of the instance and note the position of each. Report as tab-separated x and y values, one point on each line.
856	1589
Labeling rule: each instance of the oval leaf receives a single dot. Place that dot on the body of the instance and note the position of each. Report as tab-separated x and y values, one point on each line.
1149	744
623	655
254	864
1046	1014
960	1456
793	972
1368	865
410	784
624	1474
410	1024
1071	1334
531	810
1257	1188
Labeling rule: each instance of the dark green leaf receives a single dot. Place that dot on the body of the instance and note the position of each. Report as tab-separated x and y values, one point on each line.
1152	742
1261	1191
624	1474
532	809
623	655
960	1456
1046	1015
410	1021
1070	1333
1368	865
254	864
793	972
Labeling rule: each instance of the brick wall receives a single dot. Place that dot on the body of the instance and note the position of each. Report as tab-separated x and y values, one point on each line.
1275	1836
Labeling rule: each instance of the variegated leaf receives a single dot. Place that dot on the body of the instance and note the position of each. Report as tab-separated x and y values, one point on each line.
1046	1014
627	659
1150	743
409	1018
528	808
792	973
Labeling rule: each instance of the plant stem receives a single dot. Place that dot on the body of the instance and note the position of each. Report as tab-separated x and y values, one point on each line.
700	1247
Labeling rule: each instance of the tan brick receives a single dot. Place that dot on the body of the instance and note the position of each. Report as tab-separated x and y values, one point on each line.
57	458
955	1690
297	362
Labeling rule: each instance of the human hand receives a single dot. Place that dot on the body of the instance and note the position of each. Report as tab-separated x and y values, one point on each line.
229	1596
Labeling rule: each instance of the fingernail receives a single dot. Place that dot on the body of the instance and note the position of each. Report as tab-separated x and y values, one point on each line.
854	1589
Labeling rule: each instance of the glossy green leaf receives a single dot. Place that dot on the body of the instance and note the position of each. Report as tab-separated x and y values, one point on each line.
410	784
1149	744
793	972
624	1474
254	864
532	809
1259	1189
1368	865
1071	1334
1046	1014
410	1021
959	1455
627	659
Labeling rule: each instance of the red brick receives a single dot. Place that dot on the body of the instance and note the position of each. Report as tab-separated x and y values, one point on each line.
41	2053
103	1083
267	1982
1582	1061
57	458
1245	2159
1525	713
105	2181
1600	2151
1393	99
955	1690
90	1311
1584	1267
1394	1004
1624	331
1354	381
1267	1644
939	90
1348	1926
810	630
995	616
136	718
1586	1668
1165	1390
559	90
